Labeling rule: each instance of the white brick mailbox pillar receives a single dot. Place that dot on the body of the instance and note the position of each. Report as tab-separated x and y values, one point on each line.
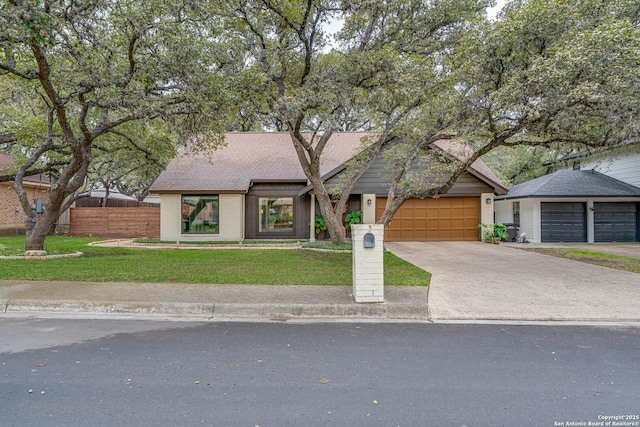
368	263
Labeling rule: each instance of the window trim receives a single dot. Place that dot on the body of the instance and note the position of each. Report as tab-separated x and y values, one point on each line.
516	213
283	232
204	231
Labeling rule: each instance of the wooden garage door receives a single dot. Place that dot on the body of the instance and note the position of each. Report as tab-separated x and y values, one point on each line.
444	219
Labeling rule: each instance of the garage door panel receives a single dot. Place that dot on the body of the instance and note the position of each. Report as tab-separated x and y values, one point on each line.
434	219
615	222
563	222
407	223
420	223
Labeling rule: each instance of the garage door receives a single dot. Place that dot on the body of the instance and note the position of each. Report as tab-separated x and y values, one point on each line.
445	219
615	222
563	222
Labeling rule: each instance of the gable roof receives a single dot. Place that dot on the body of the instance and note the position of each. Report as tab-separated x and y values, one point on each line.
478	168
457	149
250	156
573	183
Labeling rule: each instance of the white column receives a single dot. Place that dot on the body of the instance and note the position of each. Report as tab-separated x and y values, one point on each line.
590	222
486	209
312	220
368	208
368	262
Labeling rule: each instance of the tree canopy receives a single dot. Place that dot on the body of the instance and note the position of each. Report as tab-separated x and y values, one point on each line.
107	89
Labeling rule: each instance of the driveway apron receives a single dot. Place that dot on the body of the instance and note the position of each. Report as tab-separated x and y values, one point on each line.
479	281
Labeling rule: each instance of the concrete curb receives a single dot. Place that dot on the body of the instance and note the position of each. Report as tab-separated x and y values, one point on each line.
225	310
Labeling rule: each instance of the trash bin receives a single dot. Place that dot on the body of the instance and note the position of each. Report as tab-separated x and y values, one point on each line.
512	232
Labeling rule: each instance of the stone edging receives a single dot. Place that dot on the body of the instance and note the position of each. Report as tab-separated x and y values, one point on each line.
126	243
43	255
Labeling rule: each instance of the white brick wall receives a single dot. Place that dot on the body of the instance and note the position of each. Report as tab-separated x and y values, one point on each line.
231	217
170	218
368	211
504	211
368	264
486	210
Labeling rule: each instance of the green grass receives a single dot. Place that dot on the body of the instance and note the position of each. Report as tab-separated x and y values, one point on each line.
597	258
219	266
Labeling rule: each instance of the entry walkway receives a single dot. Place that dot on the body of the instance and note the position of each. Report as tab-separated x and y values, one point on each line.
479	281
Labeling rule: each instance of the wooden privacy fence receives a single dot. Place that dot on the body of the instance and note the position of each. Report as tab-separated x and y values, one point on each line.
116	223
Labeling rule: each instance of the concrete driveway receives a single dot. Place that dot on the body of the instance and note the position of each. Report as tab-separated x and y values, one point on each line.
475	280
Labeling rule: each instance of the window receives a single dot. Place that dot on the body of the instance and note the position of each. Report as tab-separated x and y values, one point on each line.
200	214
516	214
275	215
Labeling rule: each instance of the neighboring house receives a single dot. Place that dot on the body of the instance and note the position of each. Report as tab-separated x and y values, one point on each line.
95	198
573	206
623	164
253	187
11	215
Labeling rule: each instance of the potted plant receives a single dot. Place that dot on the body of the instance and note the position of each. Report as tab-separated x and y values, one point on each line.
354	217
493	233
320	225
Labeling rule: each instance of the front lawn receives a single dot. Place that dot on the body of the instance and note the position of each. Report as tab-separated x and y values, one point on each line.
219	266
591	257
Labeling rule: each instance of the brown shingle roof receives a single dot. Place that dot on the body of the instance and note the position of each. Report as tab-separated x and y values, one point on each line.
250	156
270	156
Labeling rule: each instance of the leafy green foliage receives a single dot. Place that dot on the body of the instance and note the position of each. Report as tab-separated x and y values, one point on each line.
104	90
492	232
353	217
319	223
554	73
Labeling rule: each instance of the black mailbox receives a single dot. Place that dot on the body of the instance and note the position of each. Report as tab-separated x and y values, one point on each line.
369	240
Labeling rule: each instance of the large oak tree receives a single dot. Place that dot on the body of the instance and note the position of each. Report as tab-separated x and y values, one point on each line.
79	78
374	75
553	74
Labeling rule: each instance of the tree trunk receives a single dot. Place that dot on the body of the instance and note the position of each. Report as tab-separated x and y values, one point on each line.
390	209
309	157
332	218
37	232
335	226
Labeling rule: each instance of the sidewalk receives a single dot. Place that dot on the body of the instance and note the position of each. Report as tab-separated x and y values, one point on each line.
206	302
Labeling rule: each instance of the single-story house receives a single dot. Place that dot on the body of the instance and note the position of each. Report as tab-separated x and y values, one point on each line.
573	206
253	187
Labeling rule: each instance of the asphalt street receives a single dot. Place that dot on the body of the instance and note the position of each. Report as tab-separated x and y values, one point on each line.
107	372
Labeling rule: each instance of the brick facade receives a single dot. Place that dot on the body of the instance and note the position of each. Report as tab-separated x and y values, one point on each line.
12	220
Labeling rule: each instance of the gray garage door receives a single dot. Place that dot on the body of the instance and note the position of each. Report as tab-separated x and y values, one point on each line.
615	222
563	222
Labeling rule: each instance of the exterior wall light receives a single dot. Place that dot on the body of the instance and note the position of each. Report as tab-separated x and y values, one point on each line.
488	200
369	202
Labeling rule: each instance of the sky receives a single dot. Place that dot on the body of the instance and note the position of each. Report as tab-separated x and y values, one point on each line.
493	11
335	25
